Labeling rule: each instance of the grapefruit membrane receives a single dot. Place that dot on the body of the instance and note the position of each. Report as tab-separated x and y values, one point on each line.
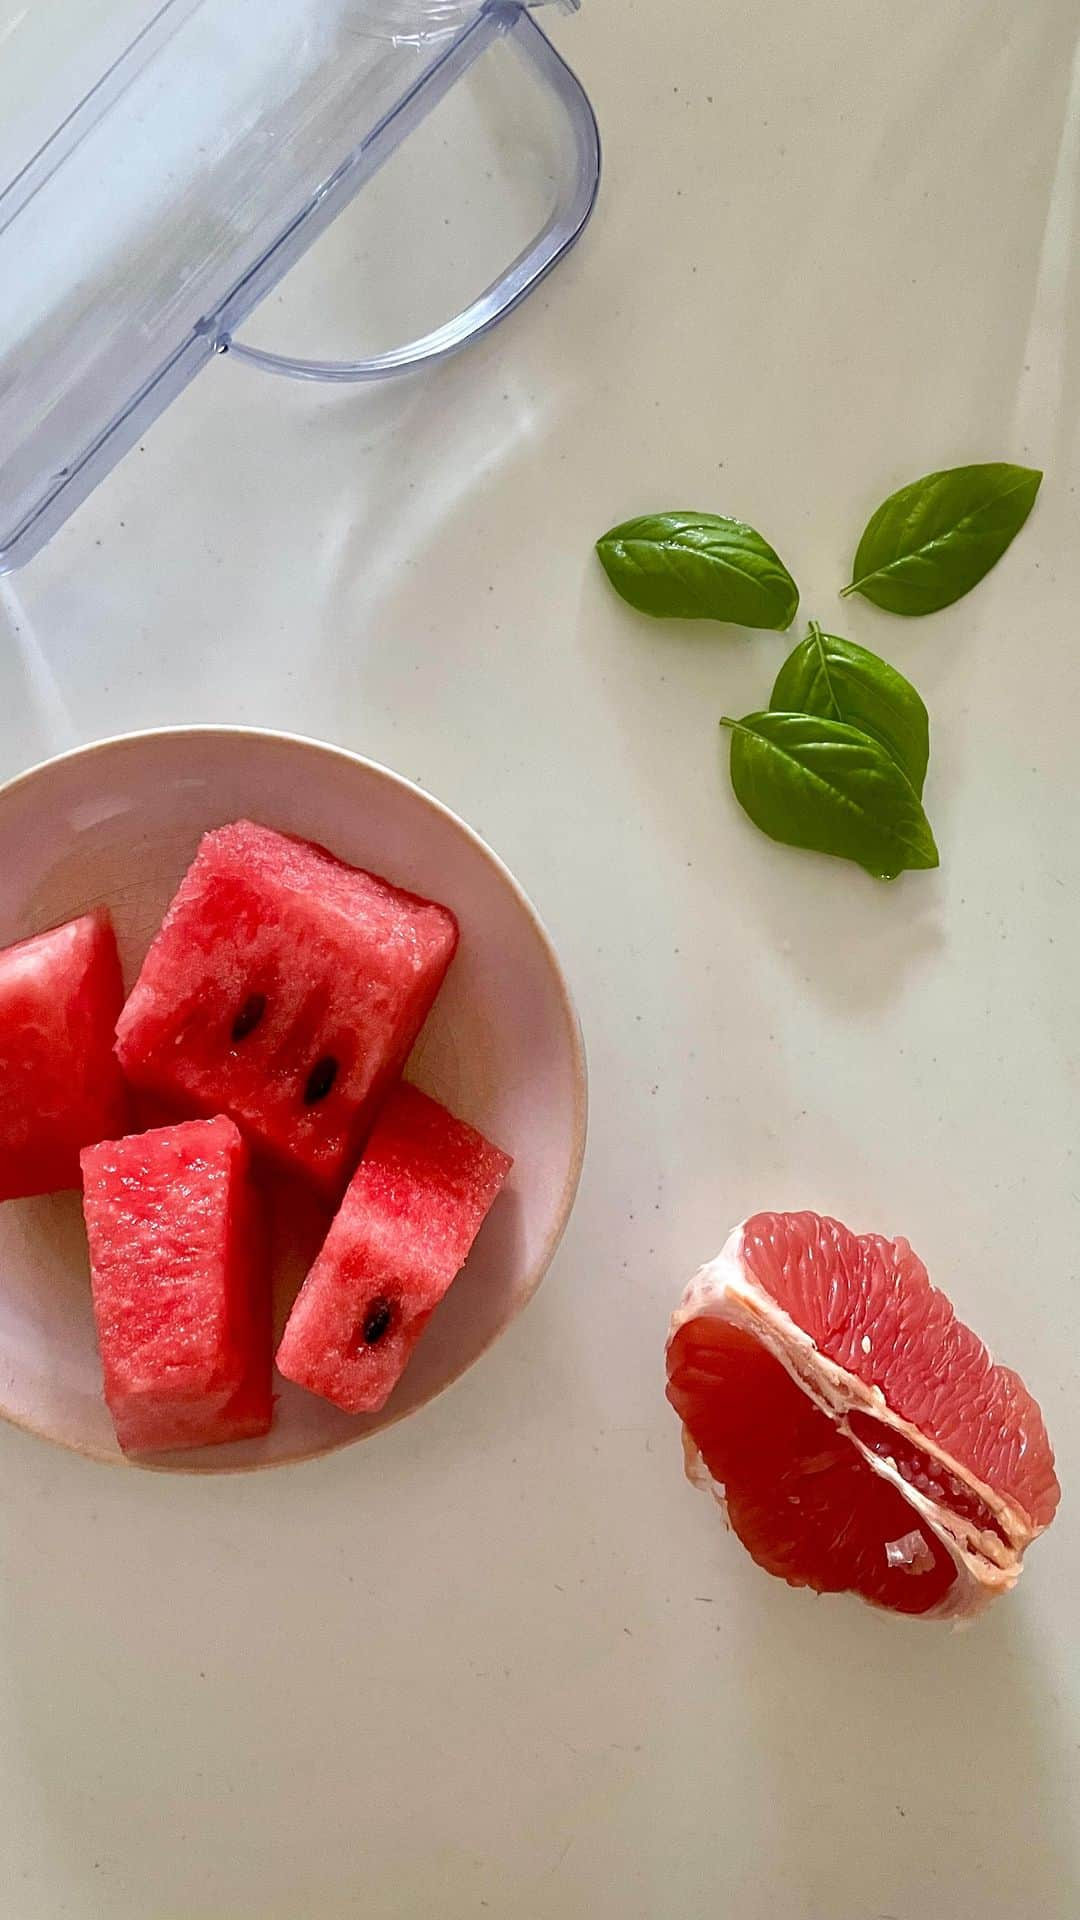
857	1436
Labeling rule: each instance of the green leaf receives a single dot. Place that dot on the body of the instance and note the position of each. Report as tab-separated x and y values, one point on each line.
838	680
929	544
821	784
697	566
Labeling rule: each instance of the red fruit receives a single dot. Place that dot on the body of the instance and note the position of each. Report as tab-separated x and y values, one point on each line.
60	1087
181	1293
857	1435
415	1206
286	990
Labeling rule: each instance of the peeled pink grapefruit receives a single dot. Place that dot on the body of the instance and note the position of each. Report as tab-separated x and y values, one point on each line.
857	1435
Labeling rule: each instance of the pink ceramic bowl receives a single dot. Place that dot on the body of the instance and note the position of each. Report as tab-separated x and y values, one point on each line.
118	823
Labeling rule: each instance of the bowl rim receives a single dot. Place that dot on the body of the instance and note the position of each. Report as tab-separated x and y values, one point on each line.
579	1065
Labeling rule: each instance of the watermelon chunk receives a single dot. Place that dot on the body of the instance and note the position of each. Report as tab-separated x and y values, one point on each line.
60	1086
180	1285
286	990
414	1207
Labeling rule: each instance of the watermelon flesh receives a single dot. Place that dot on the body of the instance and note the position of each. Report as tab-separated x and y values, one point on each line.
285	989
180	1286
415	1205
60	1086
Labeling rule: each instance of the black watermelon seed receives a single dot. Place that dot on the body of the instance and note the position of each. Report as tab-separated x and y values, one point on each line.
249	1016
377	1322
320	1080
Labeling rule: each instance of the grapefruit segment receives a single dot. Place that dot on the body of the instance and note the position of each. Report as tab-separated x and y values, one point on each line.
856	1434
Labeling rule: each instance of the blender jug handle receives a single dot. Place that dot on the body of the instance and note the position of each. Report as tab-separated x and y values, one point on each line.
576	198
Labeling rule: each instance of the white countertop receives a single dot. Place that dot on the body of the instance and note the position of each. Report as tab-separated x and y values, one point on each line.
503	1659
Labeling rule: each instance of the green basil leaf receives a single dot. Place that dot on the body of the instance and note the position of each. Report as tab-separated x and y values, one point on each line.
821	784
697	566
929	544
838	680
